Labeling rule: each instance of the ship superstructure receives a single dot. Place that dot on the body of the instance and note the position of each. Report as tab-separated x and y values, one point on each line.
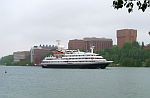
75	59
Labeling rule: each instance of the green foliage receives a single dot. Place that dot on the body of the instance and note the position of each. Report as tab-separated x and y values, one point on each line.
6	60
131	55
147	62
129	4
130	62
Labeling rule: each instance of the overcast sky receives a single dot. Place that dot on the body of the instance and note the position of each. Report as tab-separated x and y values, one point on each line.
25	23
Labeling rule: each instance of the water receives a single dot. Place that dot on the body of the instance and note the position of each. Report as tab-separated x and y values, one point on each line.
35	82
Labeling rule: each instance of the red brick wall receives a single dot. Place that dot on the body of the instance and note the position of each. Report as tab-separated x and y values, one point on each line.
126	35
76	44
39	54
86	44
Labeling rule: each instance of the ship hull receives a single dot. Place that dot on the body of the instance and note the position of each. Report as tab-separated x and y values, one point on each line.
78	66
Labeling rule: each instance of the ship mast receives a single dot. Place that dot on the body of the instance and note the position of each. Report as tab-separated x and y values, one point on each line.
92	49
58	44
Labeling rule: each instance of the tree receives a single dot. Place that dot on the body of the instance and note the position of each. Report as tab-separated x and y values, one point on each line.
131	55
6	60
147	62
129	4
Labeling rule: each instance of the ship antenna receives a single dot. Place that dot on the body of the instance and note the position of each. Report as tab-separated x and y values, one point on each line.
59	46
58	41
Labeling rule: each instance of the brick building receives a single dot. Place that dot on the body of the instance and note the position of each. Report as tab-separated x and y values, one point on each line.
38	53
86	43
126	35
76	44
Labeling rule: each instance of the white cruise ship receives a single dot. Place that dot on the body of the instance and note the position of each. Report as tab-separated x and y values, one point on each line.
75	59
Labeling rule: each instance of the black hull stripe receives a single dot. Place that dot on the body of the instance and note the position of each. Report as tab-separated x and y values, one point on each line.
77	66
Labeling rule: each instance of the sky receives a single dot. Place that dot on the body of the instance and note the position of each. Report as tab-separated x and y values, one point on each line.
26	23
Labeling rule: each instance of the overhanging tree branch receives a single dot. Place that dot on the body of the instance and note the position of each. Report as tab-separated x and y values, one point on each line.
129	4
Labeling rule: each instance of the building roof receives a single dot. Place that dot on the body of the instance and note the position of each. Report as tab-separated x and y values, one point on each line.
96	39
92	39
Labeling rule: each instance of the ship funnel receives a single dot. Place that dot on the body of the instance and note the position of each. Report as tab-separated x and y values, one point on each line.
92	48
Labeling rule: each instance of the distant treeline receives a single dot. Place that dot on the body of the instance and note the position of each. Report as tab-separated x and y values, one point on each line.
9	61
131	55
6	60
